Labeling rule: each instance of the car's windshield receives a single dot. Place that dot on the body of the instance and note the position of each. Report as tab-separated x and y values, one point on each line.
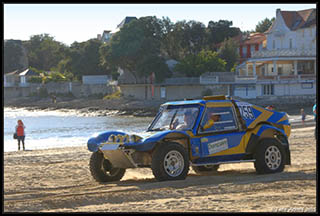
177	118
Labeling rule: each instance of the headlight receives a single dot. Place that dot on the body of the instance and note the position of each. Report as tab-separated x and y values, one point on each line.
112	138
132	138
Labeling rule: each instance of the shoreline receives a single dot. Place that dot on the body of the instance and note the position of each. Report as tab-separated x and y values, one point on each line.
119	106
99	107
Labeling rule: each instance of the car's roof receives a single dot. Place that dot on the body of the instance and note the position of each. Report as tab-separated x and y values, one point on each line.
203	101
185	102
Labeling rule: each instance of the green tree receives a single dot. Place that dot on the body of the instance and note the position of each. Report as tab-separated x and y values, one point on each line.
264	25
228	52
153	64
219	31
44	52
196	65
133	46
83	59
12	55
183	38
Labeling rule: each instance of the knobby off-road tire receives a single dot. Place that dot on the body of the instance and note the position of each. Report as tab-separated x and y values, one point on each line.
205	169
269	156
101	169
170	161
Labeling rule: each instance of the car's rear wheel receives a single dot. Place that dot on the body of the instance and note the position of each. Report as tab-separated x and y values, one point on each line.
269	157
102	170
205	168
170	161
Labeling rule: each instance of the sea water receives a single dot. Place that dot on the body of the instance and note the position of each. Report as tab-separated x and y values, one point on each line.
51	129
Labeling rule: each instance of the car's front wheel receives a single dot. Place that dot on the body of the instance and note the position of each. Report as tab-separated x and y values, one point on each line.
269	157
102	170
170	161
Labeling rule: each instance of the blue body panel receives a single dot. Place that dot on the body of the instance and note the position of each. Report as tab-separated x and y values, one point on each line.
142	145
94	142
150	142
218	159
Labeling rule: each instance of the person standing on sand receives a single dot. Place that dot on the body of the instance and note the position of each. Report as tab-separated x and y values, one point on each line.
303	116
314	109
20	133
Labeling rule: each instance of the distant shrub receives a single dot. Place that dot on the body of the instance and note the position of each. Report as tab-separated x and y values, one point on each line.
57	77
35	79
115	95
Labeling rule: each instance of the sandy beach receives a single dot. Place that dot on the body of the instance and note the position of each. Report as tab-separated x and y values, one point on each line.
58	180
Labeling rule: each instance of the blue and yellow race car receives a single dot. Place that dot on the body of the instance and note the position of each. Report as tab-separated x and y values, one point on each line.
199	133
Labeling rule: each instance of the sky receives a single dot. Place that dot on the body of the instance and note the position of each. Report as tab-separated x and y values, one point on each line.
68	23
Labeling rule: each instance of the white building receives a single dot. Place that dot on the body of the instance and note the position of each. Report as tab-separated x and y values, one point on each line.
287	66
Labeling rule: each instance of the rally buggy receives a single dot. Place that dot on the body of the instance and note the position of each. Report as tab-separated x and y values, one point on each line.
199	133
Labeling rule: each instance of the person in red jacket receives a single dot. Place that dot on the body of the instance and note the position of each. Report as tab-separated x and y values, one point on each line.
20	133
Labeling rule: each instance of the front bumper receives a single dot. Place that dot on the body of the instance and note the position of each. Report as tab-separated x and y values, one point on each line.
118	156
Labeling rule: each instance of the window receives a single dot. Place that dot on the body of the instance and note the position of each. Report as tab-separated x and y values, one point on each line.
307	85
175	118
23	79
280	72
218	119
252	49
290	43
268	89
163	92
273	44
244	51
263	70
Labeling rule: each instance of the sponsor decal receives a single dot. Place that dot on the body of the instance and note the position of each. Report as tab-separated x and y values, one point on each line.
218	146
204	140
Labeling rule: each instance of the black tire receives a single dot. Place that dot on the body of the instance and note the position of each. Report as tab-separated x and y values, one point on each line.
269	156
101	169
205	169
174	153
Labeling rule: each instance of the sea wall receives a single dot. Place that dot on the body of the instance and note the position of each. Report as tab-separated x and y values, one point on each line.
77	89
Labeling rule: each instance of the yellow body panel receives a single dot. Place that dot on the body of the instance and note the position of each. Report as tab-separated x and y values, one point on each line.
219	104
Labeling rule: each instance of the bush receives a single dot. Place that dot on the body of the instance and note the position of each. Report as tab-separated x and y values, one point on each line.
57	77
35	79
115	95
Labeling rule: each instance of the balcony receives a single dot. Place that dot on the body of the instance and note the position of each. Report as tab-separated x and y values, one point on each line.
245	79
285	53
277	79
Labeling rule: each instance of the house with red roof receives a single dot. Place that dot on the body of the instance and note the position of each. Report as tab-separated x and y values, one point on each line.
254	43
287	63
